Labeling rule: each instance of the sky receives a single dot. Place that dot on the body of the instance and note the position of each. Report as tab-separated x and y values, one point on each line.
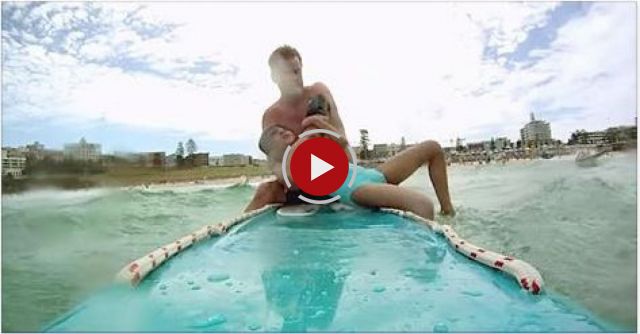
144	76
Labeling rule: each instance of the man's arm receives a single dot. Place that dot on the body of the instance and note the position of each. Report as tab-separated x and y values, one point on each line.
334	116
266	117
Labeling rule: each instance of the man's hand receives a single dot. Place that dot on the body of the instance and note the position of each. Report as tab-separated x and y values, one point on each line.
322	122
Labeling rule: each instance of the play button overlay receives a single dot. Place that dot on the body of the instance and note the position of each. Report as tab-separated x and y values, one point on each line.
319	166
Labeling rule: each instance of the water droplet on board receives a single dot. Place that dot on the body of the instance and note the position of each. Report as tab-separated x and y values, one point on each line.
213	320
472	293
219	277
379	289
254	327
441	328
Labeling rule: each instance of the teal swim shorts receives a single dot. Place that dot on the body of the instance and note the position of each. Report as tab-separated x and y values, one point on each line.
363	176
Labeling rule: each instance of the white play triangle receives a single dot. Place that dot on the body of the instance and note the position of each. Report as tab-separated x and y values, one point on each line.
318	167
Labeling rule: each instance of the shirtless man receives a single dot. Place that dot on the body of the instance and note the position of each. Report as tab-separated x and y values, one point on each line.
290	111
283	122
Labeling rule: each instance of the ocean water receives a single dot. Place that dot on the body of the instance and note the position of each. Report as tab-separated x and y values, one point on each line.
576	225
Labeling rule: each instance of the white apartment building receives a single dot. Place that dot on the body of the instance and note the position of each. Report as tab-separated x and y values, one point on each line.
83	151
13	163
535	133
236	160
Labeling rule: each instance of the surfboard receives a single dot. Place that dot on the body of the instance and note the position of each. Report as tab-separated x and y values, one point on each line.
322	269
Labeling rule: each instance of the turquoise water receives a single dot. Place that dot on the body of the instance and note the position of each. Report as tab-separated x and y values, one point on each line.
578	226
357	271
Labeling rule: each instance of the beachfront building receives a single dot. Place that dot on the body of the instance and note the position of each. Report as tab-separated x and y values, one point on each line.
380	151
215	160
588	137
83	151
394	149
613	135
236	160
384	151
260	162
536	133
13	162
502	143
357	151
486	145
56	156
199	159
171	160
623	134
476	147
154	159
35	151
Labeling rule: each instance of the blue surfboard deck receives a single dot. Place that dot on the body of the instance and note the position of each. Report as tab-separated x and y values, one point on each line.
333	271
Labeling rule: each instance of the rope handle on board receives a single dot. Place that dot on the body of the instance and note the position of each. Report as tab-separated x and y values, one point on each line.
138	269
527	276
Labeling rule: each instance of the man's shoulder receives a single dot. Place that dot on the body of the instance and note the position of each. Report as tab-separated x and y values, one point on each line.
275	106
268	114
319	87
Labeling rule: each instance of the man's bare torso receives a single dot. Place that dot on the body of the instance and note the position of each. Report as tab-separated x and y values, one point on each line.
290	114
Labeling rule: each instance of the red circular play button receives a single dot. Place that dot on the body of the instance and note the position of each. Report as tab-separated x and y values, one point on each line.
319	166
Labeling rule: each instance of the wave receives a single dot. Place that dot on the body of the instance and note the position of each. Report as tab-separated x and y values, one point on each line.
55	197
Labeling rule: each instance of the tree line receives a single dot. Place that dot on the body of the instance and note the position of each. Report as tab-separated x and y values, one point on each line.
191	148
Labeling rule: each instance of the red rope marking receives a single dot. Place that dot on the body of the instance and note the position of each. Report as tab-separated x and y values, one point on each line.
473	254
133	267
535	288
525	284
136	278
457	247
498	264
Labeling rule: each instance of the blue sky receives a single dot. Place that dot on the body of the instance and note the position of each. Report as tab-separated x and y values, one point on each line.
143	76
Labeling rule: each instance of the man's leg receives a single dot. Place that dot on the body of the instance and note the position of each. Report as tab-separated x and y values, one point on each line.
393	196
267	193
402	165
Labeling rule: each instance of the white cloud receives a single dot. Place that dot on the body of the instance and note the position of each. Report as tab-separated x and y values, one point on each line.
409	69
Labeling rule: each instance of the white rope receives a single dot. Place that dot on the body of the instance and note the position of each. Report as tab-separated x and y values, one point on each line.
138	269
527	276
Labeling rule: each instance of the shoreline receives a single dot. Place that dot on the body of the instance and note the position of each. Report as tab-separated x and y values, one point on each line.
128	178
146	178
223	182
